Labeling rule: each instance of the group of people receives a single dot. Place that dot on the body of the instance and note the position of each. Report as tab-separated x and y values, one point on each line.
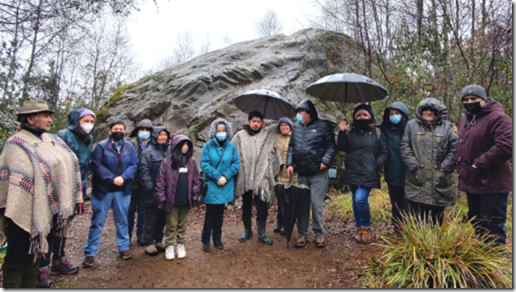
154	175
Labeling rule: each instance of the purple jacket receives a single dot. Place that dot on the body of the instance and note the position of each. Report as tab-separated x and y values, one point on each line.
166	181
487	143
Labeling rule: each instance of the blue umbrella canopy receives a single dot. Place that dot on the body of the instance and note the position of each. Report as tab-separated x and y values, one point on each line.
269	103
347	88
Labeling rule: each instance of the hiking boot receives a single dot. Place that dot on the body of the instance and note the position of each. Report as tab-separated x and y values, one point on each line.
181	251
151	250
63	267
206	247
219	245
248	233
159	246
320	241
277	229
88	262
366	235
169	253
262	237
44	278
126	254
301	242
358	235
282	231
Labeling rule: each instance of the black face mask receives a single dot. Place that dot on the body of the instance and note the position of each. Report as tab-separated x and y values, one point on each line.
117	136
362	124
473	108
163	146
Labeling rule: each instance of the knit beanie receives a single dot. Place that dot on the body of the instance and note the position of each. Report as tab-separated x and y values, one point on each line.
362	111
475	90
87	112
285	120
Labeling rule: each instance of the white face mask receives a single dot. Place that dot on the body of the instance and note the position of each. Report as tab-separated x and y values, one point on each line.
87	127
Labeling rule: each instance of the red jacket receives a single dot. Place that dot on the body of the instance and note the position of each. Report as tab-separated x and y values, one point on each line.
487	143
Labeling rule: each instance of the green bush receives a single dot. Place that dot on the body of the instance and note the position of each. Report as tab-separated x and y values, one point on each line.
447	256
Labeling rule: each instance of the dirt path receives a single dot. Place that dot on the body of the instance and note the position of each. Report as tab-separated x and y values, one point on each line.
239	265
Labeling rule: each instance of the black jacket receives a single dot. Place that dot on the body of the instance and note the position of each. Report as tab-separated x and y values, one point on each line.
148	168
312	144
366	153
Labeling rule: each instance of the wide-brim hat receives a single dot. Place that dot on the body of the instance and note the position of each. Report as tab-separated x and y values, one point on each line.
34	106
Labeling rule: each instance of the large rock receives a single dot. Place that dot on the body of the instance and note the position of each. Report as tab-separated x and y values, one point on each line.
188	97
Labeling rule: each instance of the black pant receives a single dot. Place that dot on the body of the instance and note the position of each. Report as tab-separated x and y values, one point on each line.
137	205
398	202
424	211
213	220
154	225
19	268
279	190
488	213
56	245
262	208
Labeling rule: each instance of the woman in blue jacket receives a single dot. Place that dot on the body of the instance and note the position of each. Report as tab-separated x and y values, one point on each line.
220	163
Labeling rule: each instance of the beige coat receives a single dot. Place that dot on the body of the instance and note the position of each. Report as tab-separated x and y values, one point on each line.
282	145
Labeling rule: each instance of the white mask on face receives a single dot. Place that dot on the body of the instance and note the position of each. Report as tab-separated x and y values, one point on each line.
87	127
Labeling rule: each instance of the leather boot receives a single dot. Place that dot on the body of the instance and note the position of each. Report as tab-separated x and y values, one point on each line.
366	235
358	235
248	231
217	239
44	278
261	234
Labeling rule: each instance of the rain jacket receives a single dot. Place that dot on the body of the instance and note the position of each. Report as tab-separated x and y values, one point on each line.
366	153
145	123
395	170
487	143
104	162
81	150
166	181
312	144
428	149
148	167
211	154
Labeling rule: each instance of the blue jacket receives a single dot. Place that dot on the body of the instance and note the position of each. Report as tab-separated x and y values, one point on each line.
210	156
104	166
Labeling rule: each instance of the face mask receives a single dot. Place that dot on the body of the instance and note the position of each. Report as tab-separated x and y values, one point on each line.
87	127
473	108
299	118
143	135
221	136
163	146
362	124
396	119
117	136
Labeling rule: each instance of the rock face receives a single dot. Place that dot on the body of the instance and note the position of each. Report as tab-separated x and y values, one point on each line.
188	97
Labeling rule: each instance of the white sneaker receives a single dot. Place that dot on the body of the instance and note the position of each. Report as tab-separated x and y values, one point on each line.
181	252
169	253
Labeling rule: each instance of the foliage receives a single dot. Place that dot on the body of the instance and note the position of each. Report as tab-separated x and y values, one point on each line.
447	256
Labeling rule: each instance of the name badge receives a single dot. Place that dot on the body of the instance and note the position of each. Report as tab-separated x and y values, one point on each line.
183	170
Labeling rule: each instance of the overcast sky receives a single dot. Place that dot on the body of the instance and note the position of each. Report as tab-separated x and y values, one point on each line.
154	33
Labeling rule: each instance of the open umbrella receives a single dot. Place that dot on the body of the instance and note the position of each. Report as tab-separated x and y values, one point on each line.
269	103
296	201
347	87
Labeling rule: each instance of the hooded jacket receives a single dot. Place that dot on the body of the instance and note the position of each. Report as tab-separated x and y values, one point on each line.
211	154
366	153
394	168
428	149
145	123
81	150
485	141
166	181
311	144
148	167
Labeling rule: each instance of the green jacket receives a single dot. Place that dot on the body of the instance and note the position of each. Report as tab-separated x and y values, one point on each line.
428	149
81	150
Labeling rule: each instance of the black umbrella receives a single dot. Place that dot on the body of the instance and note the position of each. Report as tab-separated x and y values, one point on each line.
347	87
269	103
296	201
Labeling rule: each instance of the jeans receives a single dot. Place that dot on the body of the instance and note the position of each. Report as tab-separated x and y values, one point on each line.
488	213
426	212
176	222
154	225
119	202
361	208
213	221
136	206
318	184
398	203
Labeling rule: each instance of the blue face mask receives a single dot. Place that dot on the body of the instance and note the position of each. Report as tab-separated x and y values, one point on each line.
143	135
221	136
396	119
299	118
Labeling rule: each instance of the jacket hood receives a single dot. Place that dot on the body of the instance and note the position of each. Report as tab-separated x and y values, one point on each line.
155	134
441	112
364	107
178	139
215	123
145	123
73	119
400	106
308	106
